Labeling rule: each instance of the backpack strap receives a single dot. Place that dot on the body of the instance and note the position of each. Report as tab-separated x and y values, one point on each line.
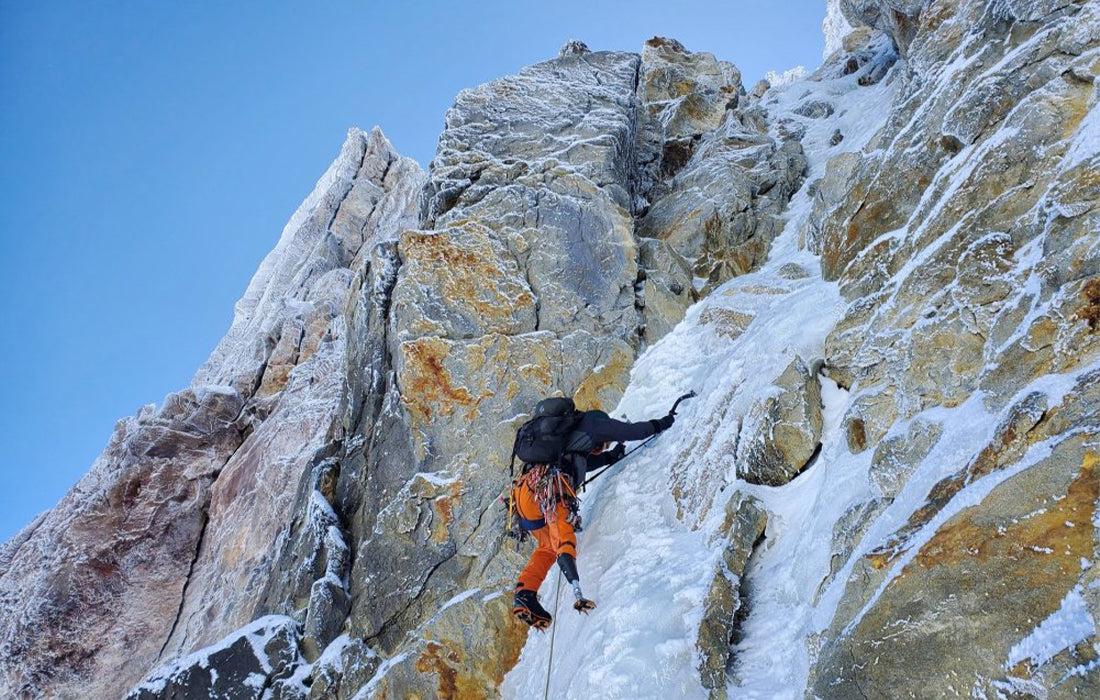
570	437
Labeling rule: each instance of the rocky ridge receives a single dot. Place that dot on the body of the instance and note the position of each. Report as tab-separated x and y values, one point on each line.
371	382
322	500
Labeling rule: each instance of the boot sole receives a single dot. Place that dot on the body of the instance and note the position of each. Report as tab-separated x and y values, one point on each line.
525	615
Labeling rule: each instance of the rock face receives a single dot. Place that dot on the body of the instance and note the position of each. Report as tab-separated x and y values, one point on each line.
240	667
519	283
317	515
946	208
782	431
836	29
742	530
338	456
75	620
168	543
964	243
989	568
712	181
898	18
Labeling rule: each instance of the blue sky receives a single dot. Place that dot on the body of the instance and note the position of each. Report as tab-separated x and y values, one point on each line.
150	153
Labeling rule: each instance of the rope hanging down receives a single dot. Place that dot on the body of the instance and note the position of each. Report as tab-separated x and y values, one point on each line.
553	631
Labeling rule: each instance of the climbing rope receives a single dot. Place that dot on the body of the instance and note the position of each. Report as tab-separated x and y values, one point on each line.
553	631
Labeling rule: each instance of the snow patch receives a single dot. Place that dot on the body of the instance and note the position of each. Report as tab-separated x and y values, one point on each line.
1067	626
776	79
435	478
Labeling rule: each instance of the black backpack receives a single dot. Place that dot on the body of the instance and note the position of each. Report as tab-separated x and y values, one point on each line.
542	440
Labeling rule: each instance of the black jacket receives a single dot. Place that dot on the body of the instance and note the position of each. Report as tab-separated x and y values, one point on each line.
595	429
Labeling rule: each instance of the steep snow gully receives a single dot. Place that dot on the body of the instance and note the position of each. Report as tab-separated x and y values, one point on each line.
644	560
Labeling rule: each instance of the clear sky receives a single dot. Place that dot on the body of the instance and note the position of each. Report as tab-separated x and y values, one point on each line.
150	153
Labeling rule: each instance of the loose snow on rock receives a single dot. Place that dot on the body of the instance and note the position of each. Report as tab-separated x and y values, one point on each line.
835	27
1070	624
258	633
777	79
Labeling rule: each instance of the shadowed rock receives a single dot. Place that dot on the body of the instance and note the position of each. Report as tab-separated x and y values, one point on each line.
741	531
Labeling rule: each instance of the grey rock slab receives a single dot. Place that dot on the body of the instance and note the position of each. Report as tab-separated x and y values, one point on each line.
742	528
667	290
681	95
566	123
368	194
782	430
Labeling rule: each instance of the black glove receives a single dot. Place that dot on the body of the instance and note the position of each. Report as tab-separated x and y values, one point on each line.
616	453
663	424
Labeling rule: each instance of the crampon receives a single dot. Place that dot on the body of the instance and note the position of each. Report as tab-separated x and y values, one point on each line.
584	605
526	608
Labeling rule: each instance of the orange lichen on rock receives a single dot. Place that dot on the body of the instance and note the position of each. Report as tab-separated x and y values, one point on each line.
470	270
441	661
1048	544
444	508
465	674
857	434
1015	435
511	638
537	369
1090	310
427	388
935	16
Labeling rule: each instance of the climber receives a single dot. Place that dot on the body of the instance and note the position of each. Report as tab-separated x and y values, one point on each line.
559	446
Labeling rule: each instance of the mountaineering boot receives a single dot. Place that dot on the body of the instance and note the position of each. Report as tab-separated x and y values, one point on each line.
526	608
583	605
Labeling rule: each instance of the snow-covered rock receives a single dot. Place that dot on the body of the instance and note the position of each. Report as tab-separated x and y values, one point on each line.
240	667
711	181
898	18
782	430
725	606
835	27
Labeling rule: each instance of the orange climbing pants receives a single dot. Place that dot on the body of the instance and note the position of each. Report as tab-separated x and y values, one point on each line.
553	535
